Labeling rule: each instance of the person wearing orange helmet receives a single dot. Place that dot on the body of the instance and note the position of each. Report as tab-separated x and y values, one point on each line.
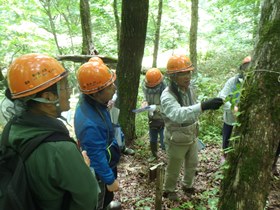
152	87
180	113
96	59
39	89
94	128
231	91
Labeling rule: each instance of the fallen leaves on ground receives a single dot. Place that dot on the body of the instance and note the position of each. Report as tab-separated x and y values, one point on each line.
138	193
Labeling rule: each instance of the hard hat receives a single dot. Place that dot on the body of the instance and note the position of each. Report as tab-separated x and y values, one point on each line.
32	73
153	77
247	60
93	77
179	63
96	59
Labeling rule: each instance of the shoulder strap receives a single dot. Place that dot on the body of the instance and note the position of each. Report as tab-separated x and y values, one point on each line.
33	143
5	134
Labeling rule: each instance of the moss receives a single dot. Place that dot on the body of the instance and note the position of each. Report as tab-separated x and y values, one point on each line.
251	164
270	31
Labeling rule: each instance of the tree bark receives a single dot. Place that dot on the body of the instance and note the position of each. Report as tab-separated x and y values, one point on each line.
247	180
157	34
132	42
193	33
87	48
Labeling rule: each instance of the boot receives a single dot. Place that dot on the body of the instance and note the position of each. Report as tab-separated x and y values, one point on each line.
153	146
128	151
171	196
114	205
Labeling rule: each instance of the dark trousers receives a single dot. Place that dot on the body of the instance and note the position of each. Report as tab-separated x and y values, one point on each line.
227	130
278	150
154	133
105	197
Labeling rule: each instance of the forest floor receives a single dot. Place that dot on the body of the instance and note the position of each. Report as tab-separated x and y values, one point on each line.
138	193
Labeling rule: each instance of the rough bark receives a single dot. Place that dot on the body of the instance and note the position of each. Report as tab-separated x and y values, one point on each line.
157	34
132	42
88	48
247	180
193	32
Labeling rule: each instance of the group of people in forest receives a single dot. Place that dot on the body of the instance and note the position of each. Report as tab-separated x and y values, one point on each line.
39	92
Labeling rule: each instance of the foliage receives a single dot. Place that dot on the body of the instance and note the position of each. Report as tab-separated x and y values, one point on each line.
141	118
227	42
225	36
214	68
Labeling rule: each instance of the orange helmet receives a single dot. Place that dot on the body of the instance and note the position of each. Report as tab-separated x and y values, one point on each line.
32	73
93	77
179	63
153	77
247	60
96	59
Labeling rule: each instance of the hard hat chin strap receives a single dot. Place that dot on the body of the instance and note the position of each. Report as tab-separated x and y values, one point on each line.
46	101
56	102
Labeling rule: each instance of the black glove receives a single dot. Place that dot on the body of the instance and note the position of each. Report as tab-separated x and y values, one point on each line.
213	103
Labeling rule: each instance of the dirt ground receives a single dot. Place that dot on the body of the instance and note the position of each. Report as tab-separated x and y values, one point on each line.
138	193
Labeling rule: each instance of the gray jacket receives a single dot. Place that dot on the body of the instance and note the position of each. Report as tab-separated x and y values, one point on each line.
181	122
230	90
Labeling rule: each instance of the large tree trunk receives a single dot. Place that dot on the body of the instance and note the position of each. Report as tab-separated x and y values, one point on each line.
157	34
193	32
247	180
132	42
88	48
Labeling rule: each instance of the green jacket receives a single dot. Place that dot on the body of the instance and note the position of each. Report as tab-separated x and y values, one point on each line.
55	167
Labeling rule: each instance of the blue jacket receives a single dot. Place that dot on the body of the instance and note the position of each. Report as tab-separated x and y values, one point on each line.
94	130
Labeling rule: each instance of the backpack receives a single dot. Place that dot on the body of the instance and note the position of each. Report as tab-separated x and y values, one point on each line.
15	193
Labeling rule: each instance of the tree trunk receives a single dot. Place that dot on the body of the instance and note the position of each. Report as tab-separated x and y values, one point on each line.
193	32
132	42
117	20
88	48
247	180
157	34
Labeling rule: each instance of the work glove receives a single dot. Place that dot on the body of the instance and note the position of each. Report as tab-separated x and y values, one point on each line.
212	104
152	109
